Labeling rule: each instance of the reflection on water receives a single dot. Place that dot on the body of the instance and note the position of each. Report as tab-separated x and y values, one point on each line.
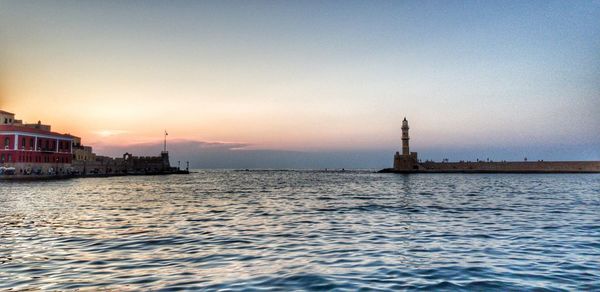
302	229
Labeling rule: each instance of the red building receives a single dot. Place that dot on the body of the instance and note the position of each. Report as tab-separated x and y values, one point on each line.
33	148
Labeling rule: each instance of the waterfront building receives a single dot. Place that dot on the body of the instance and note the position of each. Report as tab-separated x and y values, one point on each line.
33	148
6	118
83	153
31	151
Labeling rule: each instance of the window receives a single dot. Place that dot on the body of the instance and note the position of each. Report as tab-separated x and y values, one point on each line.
6	142
24	143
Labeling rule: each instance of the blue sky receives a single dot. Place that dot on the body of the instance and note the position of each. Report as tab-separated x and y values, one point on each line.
501	79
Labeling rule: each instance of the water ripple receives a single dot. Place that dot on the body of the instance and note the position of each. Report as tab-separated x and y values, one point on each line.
307	230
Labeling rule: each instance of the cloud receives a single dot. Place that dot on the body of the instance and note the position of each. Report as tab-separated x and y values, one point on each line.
153	148
109	133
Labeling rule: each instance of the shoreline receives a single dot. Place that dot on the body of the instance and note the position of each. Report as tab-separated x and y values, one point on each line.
72	176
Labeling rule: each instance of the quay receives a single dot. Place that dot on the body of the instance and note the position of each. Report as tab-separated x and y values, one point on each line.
35	152
408	162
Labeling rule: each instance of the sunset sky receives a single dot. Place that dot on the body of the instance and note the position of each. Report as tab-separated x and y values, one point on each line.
513	78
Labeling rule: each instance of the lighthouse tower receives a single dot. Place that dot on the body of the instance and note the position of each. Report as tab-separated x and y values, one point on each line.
407	161
405	138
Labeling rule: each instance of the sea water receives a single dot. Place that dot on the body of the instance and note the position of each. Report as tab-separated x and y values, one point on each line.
313	230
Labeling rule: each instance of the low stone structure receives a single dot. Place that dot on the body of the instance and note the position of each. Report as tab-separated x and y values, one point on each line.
147	164
86	164
100	165
408	162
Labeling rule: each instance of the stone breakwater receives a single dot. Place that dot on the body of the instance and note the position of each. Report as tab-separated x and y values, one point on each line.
504	167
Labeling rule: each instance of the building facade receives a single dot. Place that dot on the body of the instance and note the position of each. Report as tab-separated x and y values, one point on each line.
29	149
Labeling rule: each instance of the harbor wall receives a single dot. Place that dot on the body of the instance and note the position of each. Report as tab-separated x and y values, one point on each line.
100	165
128	164
512	166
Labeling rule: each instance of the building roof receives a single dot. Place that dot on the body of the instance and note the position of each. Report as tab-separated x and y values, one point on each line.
13	128
6	113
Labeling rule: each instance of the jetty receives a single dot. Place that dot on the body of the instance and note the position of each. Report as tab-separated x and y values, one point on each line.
408	162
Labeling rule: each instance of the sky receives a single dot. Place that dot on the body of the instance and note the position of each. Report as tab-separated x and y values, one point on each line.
309	84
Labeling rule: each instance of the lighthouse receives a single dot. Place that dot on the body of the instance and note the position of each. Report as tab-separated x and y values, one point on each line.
405	138
407	161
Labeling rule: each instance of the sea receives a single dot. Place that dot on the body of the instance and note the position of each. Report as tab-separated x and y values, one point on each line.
294	230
